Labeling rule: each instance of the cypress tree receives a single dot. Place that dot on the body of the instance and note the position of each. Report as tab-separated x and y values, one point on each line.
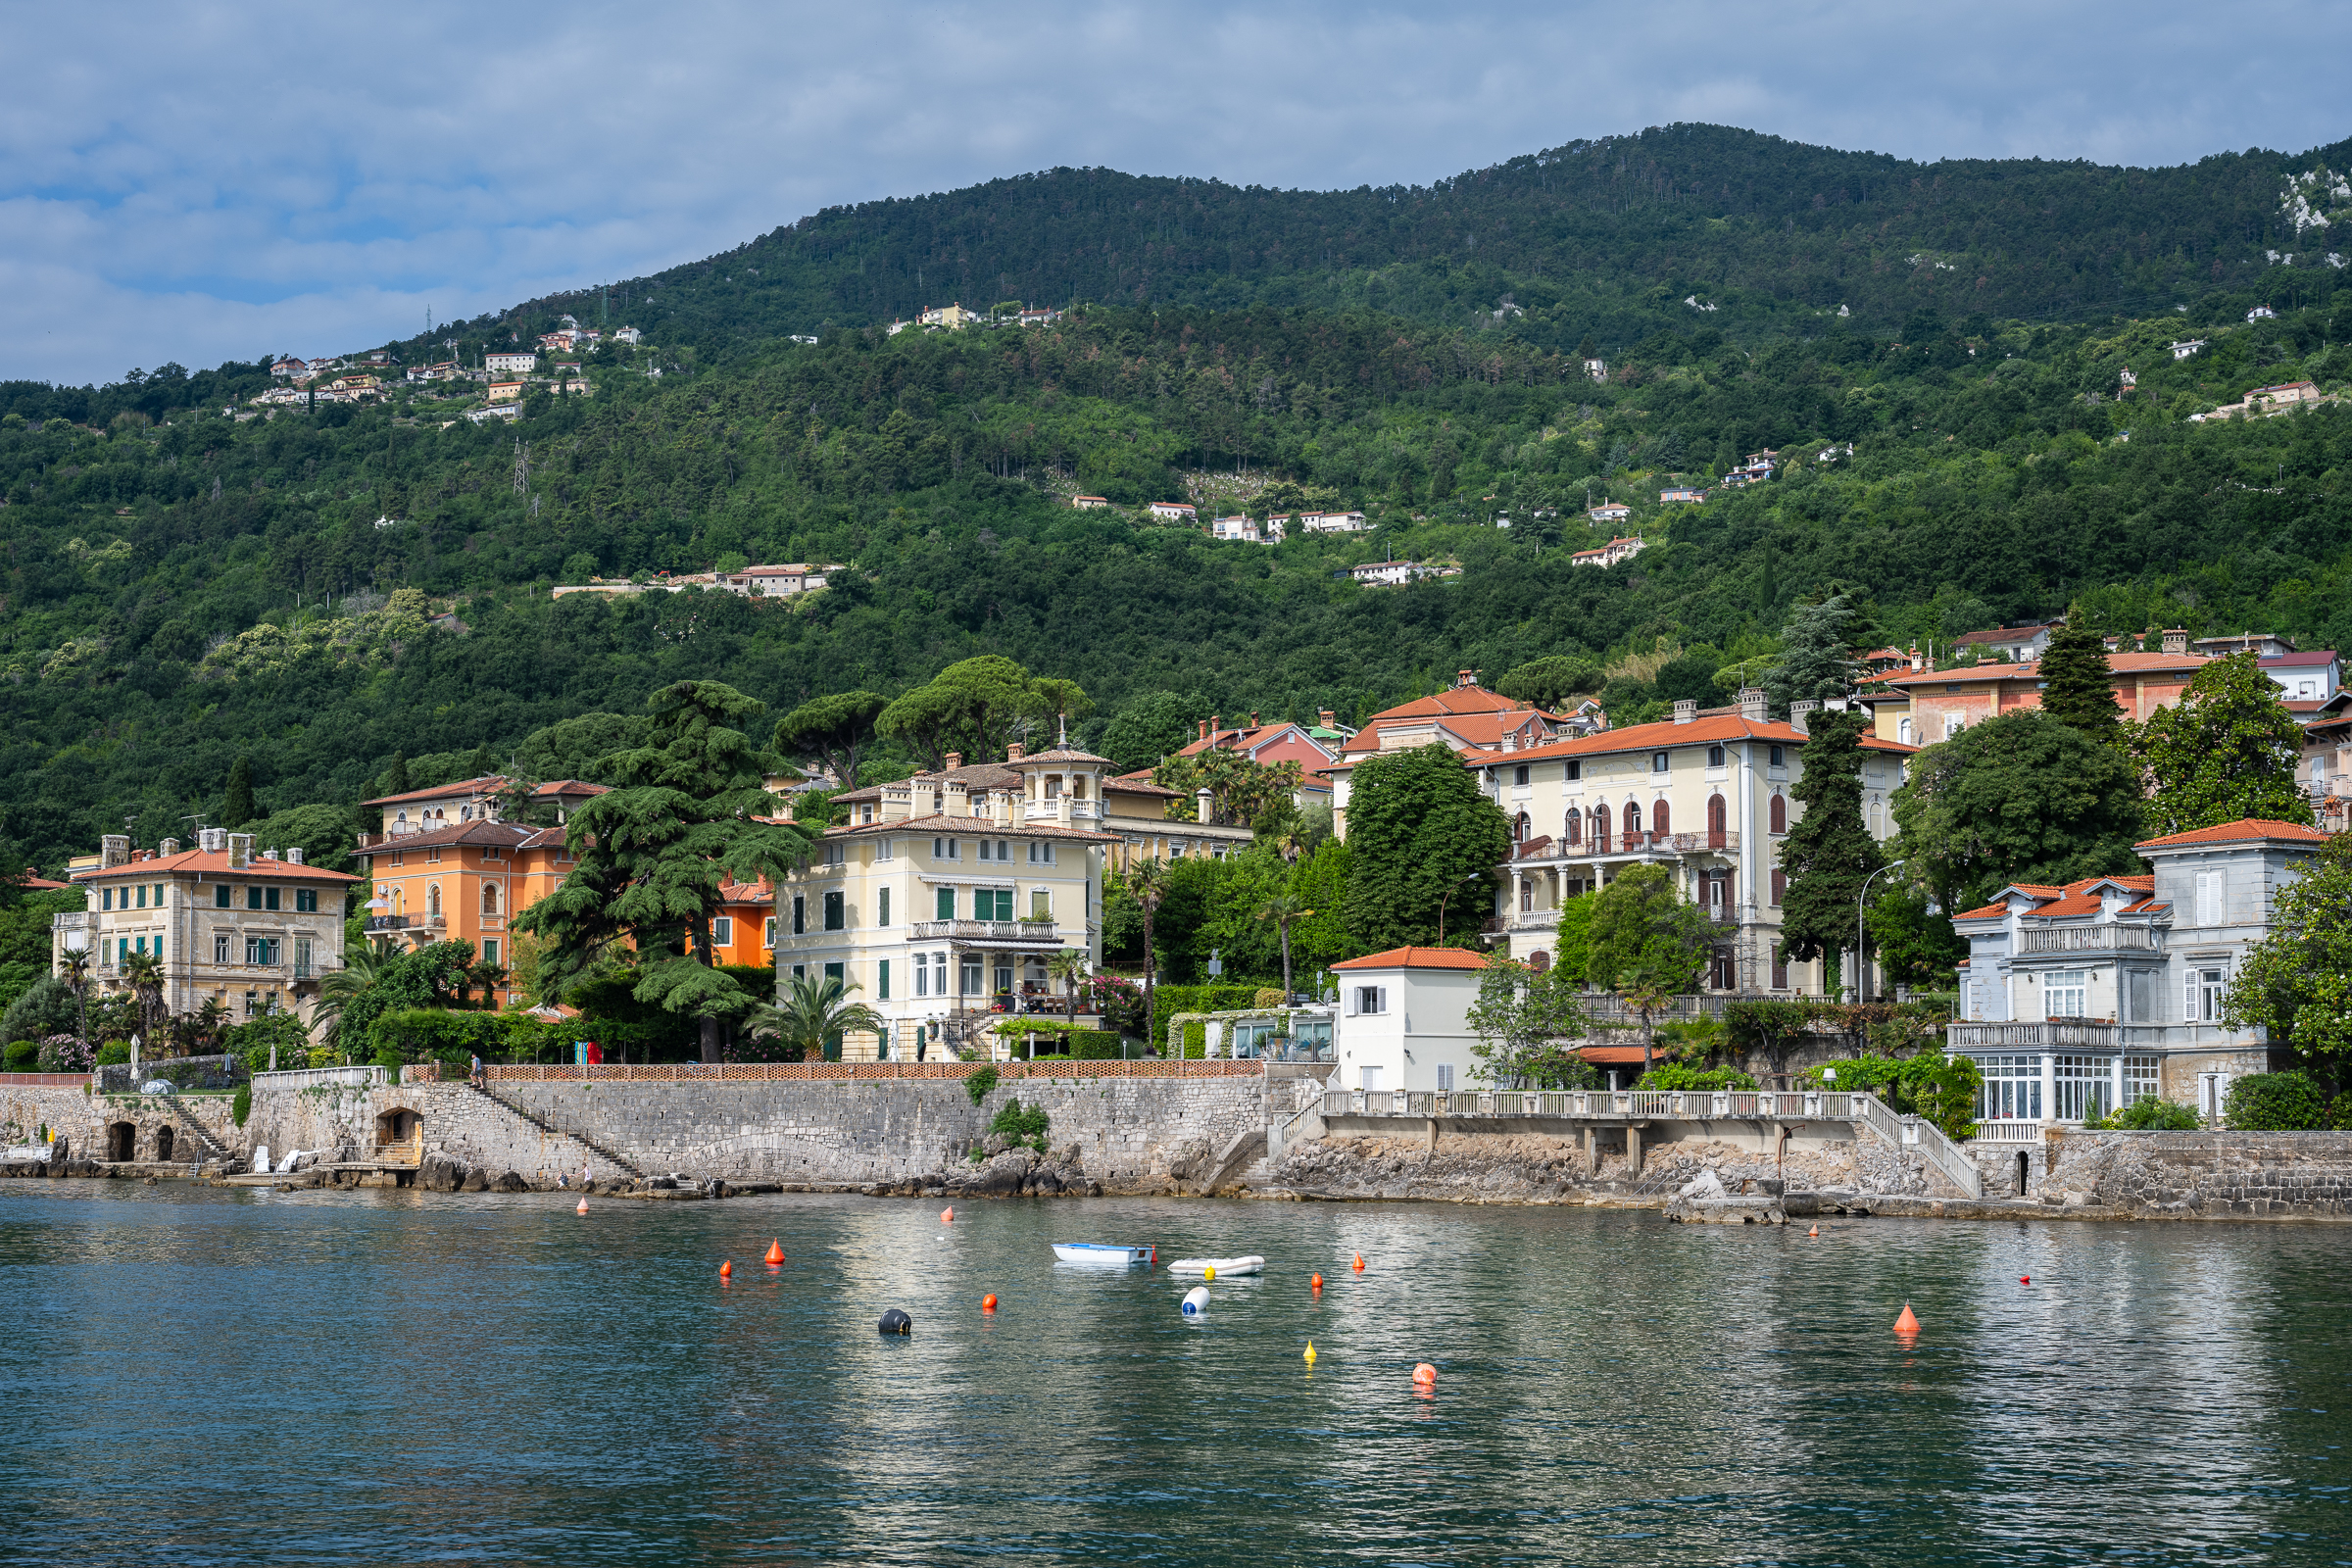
237	801
2077	683
396	777
1828	850
484	763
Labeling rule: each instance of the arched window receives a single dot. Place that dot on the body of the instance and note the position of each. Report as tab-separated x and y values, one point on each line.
1601	828
1538	960
1878	826
433	901
1633	822
1718	821
490	898
1779	817
1659	822
1519	827
1573	827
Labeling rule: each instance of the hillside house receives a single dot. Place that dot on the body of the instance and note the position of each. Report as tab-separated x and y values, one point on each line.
1087	502
1238	530
2261	312
509	363
2312	677
629	335
1174	510
1682	495
1397	574
1331	522
1598	369
2018	643
1039	317
954	317
1610	512
2183	349
285	369
505	391
1609	554
2261	643
1921	707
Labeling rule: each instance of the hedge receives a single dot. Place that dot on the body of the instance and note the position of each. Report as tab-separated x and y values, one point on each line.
2275	1103
1095	1044
1169	1001
431	1034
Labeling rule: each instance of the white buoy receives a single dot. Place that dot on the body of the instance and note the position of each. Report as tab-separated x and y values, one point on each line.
1195	1301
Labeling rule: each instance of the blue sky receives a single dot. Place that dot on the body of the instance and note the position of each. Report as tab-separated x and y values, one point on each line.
202	182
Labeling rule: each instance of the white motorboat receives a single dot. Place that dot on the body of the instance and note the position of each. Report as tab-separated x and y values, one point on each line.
1225	1266
1102	1254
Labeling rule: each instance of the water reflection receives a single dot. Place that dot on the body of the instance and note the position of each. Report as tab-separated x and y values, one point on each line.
263	1377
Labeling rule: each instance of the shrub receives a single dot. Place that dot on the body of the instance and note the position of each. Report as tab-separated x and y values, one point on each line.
114	1053
24	1054
2149	1115
979	1084
1023	1124
1196	1041
1095	1044
2275	1103
1674	1075
242	1107
1271	996
1170	1000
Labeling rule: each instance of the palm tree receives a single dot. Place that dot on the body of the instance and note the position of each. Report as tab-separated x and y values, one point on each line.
1643	993
77	967
1069	967
143	972
1148	882
810	1012
1283	909
361	968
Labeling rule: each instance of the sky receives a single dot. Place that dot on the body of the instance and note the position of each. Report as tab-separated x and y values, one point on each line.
202	182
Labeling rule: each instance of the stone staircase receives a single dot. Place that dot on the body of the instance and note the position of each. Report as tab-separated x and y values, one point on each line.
1242	1162
190	1127
591	1152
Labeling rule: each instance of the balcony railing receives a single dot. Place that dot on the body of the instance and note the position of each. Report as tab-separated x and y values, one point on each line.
387	922
2089	938
1042	933
1725	842
2054	1034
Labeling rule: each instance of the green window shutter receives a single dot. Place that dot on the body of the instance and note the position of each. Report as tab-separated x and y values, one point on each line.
833	971
836	915
253	897
270	897
947	903
882	907
221	896
882	981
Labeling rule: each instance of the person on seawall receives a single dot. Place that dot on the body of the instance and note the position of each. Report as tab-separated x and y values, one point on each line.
478	1077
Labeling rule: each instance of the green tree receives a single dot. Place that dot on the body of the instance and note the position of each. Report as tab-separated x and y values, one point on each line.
1552	684
2021	797
834	729
143	973
1284	911
2078	685
236	801
1642	933
1524	1019
1068	967
1916	941
2297	982
571	748
324	834
1145	883
1257	794
1150	728
2226	751
1817	656
810	1015
1420	832
1828	850
652	852
396	776
974	707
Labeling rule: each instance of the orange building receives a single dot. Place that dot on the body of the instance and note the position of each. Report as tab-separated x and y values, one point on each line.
447	870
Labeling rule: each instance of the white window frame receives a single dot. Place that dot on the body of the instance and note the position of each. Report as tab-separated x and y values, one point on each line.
722	931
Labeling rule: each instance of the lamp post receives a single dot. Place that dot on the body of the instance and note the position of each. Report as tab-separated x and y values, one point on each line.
1861	901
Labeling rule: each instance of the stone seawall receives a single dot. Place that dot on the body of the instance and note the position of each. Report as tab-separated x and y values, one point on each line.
93	1125
1130	1135
2202	1175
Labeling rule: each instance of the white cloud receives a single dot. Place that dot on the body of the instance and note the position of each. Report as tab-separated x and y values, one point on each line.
213	182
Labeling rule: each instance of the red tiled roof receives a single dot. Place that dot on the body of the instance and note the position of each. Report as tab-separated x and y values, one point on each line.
482	830
486	784
1610	1055
979	827
212	862
2313	659
1417	958
2031	669
37	883
1698	732
2244	830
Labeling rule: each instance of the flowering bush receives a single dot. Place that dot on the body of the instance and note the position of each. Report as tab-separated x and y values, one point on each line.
65	1053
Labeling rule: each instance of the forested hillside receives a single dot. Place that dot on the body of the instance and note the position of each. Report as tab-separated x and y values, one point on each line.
320	592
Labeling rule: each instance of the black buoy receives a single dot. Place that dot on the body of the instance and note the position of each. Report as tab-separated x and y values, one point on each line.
895	1321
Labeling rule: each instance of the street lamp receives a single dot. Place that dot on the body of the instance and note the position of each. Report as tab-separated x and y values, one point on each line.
1861	899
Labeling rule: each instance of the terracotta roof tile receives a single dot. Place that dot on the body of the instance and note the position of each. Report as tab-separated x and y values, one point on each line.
211	862
1417	958
2245	830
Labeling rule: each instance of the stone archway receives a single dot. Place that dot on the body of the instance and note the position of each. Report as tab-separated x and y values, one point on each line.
123	1141
163	1143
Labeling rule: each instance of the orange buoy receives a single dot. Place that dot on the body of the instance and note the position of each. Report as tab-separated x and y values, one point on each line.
1425	1375
775	1253
1360	1262
583	1209
946	1216
1906	1324
1314	1282
2025	1279
1815	1230
726	1270
988	1302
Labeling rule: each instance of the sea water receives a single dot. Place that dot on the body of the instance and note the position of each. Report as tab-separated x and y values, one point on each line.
197	1376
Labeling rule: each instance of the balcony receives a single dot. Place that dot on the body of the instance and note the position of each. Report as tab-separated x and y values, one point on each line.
1613	845
2089	938
387	922
988	933
2055	1034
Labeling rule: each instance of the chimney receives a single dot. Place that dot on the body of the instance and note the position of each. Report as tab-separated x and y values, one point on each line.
364	838
1205	729
294	856
1253	724
1205	803
1800	715
213	840
2176	641
1465	677
954	760
269	854
1216	724
1013	751
959	800
1918	661
1752	704
114	848
240	851
1511	740
1331	720
1686	711
167	847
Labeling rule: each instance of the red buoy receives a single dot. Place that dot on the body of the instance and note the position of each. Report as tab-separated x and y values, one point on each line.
1906	1324
2025	1279
726	1270
1360	1262
1314	1282
988	1302
1425	1376
775	1253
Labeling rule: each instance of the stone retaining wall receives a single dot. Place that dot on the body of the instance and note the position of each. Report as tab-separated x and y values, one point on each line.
84	1119
2202	1175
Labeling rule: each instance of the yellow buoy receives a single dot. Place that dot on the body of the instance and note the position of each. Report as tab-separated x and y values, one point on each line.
1209	1273
1311	1352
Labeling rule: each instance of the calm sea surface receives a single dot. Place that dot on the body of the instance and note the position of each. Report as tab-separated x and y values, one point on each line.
195	1376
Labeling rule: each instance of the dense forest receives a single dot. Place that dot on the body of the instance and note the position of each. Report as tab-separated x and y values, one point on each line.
319	590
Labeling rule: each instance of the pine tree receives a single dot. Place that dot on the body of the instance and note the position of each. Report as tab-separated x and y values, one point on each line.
1817	661
2078	686
237	801
1829	851
484	762
396	777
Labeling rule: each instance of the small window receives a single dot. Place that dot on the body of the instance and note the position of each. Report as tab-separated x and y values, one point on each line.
767	934
223	896
1780	757
253	897
835	911
882	981
1371	999
1576	767
882	907
270	897
1041	904
105	898
1519	774
1780	886
219	947
306	900
141	900
800	913
722	931
885	849
1776	816
1714	756
1444	1077
1658	762
489	950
